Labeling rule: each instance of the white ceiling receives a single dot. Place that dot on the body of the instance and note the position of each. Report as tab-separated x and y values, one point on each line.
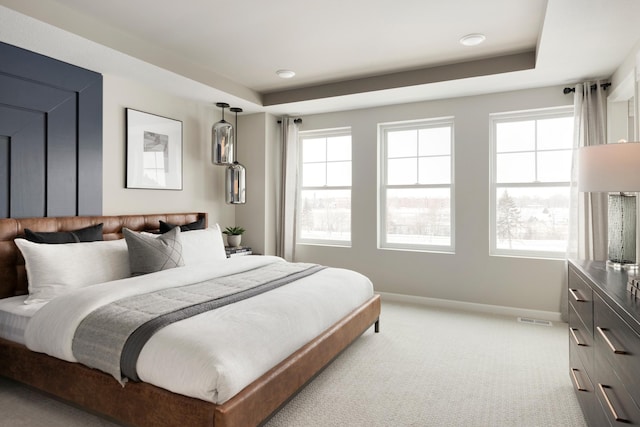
347	54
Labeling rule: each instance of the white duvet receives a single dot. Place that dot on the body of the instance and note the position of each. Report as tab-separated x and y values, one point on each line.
214	355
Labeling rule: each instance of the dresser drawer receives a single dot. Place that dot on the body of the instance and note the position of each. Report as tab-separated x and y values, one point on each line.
581	299
619	345
619	407
582	385
580	338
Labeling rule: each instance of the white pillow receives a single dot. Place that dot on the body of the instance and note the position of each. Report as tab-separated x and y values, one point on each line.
54	270
201	246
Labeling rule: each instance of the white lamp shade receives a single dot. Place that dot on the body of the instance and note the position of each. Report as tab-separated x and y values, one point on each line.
609	167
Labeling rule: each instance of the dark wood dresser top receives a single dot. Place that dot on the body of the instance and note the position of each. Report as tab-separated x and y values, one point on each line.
611	285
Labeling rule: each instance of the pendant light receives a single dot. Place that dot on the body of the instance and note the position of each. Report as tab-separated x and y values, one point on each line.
235	183
222	140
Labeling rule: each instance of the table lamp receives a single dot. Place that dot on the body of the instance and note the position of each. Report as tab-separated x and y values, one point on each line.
615	169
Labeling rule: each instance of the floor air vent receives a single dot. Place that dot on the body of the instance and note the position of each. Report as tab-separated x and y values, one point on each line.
534	321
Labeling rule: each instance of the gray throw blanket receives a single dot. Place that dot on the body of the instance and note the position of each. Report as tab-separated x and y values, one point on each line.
111	337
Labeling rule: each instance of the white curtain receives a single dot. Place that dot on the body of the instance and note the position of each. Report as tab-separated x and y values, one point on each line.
588	211
588	231
287	190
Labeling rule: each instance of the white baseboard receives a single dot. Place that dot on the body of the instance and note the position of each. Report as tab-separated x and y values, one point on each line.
472	307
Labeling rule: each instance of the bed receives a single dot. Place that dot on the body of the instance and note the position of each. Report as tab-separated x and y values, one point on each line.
141	403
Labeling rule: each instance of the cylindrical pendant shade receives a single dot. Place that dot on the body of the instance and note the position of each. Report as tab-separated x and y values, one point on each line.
222	143
235	184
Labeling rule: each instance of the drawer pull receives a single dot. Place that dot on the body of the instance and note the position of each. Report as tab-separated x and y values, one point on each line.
575	336
574	294
611	408
575	380
608	341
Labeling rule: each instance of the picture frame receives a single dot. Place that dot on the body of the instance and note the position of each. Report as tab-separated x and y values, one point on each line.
154	151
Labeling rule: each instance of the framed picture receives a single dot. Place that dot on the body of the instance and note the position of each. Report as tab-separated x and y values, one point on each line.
154	151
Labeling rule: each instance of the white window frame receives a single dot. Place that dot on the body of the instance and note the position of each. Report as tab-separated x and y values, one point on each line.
343	131
383	128
494	119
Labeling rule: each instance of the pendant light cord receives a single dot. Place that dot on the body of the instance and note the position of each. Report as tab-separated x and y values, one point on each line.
236	110
222	105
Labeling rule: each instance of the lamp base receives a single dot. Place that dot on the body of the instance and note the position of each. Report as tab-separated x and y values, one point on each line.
630	267
622	229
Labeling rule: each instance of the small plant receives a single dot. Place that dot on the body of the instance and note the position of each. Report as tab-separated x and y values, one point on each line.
234	231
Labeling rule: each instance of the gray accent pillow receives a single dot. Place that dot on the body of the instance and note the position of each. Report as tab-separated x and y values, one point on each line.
150	254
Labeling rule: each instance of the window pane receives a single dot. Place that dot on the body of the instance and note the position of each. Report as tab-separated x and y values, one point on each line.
314	150
515	136
402	143
314	174
532	219
555	133
435	141
325	215
339	148
435	170
554	166
402	172
339	173
419	216
518	167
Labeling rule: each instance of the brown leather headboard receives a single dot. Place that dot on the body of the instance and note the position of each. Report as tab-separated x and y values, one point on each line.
13	277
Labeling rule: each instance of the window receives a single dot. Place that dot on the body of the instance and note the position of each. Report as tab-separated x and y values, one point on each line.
531	173
324	202
416	191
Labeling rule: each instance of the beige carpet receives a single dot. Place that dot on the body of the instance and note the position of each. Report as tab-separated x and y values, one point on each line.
427	367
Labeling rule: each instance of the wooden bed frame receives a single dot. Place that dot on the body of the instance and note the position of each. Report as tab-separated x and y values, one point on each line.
142	404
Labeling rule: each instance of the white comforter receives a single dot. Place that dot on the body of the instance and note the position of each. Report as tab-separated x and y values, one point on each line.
214	355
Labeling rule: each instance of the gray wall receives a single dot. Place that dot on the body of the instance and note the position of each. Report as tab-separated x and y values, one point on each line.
202	181
470	275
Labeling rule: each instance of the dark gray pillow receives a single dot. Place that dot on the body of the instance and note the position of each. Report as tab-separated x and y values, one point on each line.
196	225
92	233
148	254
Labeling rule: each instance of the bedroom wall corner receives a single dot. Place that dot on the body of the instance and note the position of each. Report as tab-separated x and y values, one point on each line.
257	144
203	183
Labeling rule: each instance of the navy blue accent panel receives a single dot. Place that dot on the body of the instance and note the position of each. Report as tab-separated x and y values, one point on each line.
32	66
62	146
14	119
27	182
90	151
51	115
5	170
16	126
20	93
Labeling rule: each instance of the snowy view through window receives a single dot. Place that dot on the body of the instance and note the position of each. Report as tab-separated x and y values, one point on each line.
324	203
531	189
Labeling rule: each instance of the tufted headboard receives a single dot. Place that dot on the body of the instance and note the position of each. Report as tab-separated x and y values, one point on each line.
13	277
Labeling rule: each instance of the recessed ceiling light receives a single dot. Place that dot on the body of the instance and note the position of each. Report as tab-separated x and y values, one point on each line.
472	39
285	74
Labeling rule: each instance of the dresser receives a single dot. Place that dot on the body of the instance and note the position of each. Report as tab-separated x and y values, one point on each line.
604	344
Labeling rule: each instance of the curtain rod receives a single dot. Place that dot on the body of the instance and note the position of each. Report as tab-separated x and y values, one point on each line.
298	120
593	86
